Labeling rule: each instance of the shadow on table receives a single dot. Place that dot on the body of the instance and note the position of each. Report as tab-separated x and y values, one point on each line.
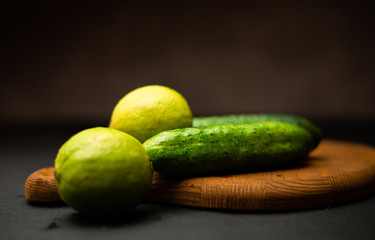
56	204
142	214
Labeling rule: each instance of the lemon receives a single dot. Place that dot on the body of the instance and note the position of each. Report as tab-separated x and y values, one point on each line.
148	110
102	171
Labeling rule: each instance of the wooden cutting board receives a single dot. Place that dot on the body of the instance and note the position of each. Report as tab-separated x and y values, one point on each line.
336	172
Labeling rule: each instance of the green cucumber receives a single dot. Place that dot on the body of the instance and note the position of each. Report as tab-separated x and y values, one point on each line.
227	148
315	132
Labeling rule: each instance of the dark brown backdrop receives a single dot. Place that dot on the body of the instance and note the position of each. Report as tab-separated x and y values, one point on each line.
73	62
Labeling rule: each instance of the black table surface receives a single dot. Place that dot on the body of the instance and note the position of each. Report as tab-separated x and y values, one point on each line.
25	149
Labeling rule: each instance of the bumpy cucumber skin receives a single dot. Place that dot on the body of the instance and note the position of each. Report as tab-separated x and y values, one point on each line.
315	132
227	148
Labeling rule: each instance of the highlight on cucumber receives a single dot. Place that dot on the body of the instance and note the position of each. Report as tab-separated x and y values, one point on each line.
316	132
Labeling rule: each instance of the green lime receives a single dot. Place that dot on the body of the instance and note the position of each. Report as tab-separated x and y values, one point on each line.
102	171
148	110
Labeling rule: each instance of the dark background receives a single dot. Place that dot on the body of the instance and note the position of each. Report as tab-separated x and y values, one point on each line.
71	63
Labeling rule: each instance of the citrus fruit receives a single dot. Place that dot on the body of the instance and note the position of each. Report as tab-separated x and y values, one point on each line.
102	171
148	110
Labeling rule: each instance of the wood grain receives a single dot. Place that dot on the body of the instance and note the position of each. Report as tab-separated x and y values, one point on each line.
336	172
40	186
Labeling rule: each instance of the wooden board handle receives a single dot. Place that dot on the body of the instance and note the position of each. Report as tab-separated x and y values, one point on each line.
40	186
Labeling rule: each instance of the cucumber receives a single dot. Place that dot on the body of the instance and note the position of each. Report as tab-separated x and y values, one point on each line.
227	148
315	132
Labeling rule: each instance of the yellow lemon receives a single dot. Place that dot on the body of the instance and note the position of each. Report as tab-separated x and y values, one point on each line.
148	110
